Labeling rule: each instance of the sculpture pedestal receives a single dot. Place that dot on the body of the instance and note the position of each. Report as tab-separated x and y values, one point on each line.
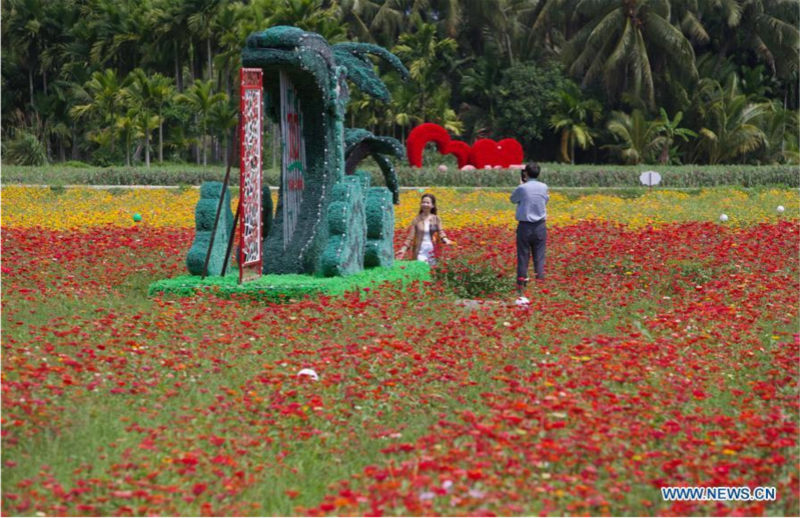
282	288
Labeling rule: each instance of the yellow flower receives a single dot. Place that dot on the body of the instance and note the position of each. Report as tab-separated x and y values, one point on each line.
88	207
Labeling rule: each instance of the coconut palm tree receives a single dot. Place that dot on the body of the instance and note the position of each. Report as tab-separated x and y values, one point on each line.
625	43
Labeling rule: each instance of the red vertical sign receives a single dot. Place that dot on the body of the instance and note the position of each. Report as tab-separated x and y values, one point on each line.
251	106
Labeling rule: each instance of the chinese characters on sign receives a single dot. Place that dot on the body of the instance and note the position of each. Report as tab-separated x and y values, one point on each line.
250	172
293	165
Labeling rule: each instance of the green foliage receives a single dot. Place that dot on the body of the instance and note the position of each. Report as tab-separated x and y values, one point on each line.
572	115
25	149
471	278
525	94
638	137
69	67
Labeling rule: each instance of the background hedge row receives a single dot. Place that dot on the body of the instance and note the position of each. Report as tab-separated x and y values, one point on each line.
555	175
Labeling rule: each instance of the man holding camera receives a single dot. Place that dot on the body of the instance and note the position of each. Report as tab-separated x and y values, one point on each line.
531	198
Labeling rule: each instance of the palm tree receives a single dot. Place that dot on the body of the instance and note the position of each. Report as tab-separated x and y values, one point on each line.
101	102
732	121
23	22
222	119
638	137
148	96
669	130
129	130
571	116
626	42
429	60
231	28
201	99
312	16
162	94
769	28
200	23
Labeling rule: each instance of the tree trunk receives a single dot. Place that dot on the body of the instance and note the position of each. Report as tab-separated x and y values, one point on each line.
564	146
147	148
178	71
75	154
161	141
664	158
210	67
30	86
572	148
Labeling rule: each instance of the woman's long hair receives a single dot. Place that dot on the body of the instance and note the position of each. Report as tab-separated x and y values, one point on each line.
433	202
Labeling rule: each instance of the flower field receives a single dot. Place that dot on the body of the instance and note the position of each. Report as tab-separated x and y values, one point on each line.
662	350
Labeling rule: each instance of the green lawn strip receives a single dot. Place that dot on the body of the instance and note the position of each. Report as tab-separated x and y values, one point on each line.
282	288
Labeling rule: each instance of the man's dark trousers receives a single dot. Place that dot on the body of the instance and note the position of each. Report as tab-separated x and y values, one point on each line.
531	238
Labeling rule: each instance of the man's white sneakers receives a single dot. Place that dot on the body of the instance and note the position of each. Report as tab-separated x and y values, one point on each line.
522	301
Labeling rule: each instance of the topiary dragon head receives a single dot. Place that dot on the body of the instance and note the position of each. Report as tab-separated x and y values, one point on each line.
316	65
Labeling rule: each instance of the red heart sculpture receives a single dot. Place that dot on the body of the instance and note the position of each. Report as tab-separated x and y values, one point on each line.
420	136
511	152
460	150
483	153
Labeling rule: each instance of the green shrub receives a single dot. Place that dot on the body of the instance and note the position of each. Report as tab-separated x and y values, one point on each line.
471	278
25	149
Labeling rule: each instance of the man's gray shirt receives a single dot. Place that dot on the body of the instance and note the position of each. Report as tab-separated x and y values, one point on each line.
531	198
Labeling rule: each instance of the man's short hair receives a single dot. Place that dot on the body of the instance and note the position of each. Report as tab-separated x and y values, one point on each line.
532	170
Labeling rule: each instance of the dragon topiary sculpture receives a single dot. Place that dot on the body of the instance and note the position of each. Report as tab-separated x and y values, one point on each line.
342	224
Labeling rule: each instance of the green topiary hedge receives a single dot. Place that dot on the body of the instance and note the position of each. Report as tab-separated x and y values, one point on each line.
555	175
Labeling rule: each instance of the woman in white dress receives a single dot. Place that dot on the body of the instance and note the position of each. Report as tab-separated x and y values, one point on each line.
425	233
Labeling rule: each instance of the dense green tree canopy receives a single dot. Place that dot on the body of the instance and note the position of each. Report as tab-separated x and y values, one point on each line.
110	81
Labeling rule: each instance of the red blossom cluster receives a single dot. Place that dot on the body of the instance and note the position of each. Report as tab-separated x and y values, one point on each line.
655	357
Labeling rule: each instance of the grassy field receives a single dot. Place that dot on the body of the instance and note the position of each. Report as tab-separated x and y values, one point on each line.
662	350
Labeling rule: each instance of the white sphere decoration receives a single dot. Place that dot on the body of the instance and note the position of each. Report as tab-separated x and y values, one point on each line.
442	168
723	217
780	209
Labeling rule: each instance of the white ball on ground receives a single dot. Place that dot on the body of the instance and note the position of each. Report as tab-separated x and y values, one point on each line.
522	302
780	209
723	217
308	372
442	168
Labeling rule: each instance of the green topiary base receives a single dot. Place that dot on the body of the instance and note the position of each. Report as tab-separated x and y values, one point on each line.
279	288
